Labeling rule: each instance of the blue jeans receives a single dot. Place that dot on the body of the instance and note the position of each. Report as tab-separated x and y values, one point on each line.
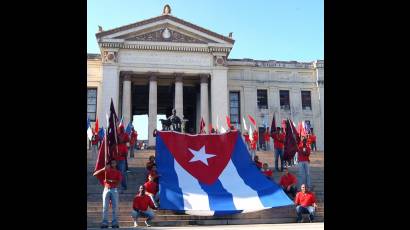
278	153
110	194
149	214
308	210
253	153
304	174
122	166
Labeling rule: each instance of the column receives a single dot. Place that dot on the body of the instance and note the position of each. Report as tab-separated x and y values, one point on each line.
250	104
296	104
219	96
152	109
126	99
204	100
110	90
319	65
179	96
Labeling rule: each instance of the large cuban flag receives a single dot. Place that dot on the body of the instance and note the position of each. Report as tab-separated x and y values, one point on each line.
212	175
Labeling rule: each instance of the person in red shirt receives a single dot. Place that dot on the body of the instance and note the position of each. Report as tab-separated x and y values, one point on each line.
313	142
150	163
266	136
153	172
247	140
267	172
152	189
111	181
133	141
257	162
140	206
305	202
303	163
288	182
123	138
278	145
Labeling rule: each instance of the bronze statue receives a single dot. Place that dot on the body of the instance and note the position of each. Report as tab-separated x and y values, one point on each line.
167	9
175	121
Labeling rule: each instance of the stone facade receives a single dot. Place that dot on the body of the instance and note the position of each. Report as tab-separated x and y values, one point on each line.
166	50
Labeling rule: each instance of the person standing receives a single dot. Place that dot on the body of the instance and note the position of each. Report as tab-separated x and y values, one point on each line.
123	139
133	141
278	145
303	163
267	139
313	142
110	193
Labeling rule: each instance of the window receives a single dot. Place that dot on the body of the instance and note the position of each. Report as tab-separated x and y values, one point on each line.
234	107
262	98
91	103
306	100
284	99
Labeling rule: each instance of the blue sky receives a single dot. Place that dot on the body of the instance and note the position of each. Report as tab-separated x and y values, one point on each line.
284	30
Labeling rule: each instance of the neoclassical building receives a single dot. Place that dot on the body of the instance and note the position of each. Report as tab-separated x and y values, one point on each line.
154	65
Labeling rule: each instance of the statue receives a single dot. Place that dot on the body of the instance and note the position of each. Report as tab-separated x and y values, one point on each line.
175	121
167	9
166	124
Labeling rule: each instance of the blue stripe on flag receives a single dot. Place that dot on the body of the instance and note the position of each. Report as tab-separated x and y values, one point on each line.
219	198
171	194
270	193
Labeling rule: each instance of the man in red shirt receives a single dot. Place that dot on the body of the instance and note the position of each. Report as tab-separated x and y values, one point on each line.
313	141
111	181
288	182
140	207
133	140
247	140
305	202
123	138
278	145
267	172
152	189
303	163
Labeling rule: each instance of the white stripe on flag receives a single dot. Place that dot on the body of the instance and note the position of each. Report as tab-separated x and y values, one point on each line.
197	198
244	197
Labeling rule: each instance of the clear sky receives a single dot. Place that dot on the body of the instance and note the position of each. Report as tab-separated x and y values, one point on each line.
283	30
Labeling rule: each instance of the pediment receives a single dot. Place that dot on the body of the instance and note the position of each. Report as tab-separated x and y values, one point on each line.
165	28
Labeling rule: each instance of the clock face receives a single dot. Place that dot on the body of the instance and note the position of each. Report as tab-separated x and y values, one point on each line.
166	34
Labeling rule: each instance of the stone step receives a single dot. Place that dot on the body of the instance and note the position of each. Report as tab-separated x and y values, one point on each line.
192	223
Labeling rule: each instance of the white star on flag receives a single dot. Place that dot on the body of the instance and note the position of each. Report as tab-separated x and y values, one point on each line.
200	155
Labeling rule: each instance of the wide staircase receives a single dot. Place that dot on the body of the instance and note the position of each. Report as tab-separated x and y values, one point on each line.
170	218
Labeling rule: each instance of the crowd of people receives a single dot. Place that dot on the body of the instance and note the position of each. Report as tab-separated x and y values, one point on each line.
115	181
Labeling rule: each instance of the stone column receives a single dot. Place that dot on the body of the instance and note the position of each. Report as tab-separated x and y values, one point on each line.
152	109
296	104
179	96
219	96
320	77
110	90
204	100
126	99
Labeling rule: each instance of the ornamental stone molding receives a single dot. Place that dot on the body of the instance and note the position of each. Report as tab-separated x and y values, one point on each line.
110	56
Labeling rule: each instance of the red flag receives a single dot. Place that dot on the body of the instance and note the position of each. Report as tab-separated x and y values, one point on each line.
228	121
291	141
101	161
202	126
252	120
96	128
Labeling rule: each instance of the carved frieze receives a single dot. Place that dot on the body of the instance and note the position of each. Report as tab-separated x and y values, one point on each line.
166	35
110	57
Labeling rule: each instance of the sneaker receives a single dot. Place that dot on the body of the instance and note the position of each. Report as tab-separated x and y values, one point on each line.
104	226
135	224
146	223
115	226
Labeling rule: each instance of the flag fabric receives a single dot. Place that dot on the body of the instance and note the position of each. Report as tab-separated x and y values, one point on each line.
250	133
273	125
291	141
121	121
101	158
244	124
112	130
212	175
202	126
101	133
96	127
89	130
129	128
308	127
228	122
252	120
210	128
223	130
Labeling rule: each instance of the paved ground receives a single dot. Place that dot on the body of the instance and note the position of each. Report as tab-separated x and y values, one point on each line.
293	226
